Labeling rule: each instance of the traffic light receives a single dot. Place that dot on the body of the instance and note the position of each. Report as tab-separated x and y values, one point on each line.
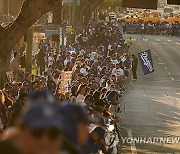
175	2
144	4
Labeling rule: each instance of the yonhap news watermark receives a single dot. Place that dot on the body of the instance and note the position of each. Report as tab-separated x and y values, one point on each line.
150	140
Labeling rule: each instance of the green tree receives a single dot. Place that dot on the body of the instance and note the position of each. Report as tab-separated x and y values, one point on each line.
111	3
31	11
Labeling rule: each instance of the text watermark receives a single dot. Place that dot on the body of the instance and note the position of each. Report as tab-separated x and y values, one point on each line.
151	140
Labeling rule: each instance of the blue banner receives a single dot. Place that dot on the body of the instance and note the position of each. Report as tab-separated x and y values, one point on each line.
145	59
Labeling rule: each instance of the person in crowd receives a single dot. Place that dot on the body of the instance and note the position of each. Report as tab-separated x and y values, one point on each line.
14	66
15	91
51	85
50	59
76	123
49	70
28	78
68	59
91	92
9	101
41	130
25	89
3	111
17	108
113	99
81	93
134	66
96	141
23	60
41	60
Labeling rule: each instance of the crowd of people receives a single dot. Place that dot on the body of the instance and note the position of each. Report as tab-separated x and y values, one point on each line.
38	118
164	28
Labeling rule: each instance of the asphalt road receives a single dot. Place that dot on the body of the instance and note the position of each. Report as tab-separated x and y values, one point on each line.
151	105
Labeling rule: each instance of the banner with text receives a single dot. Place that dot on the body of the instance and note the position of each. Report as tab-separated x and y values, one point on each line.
145	59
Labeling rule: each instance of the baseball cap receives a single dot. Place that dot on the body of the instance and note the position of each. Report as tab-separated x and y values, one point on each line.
100	120
75	111
72	114
89	97
41	115
100	131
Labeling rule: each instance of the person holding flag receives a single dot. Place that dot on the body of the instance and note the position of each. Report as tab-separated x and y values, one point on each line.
134	66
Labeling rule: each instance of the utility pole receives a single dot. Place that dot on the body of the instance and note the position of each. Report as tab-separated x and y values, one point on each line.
29	50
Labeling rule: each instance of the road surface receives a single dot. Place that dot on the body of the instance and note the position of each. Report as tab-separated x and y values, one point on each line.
151	106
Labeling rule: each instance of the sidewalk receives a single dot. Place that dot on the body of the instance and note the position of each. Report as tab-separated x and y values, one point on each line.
153	104
151	109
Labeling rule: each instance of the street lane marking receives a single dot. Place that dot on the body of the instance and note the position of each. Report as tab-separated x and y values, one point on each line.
163	64
157	40
133	146
145	40
133	39
169	40
177	43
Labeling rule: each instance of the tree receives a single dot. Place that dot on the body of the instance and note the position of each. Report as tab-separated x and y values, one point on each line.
30	12
14	6
112	4
85	11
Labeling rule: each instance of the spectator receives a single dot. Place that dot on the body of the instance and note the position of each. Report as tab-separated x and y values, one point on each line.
41	130
96	141
81	93
41	60
14	66
134	66
51	84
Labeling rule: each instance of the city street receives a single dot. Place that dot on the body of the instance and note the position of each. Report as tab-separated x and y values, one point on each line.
90	76
151	105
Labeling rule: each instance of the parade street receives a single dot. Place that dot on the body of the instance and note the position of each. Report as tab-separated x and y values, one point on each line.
151	105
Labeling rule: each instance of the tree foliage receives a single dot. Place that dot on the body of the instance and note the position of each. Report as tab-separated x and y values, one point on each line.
111	3
30	12
85	11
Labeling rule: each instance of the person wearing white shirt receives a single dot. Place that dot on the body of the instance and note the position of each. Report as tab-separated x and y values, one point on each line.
93	55
114	60
80	94
68	58
118	71
123	58
50	59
